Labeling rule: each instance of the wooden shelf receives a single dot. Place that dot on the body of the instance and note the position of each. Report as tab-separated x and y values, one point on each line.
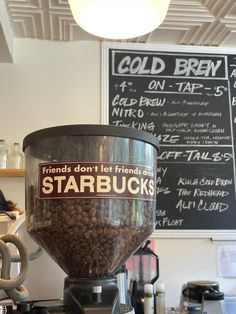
6	218
12	172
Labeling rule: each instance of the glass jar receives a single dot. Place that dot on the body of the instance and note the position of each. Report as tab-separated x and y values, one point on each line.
15	158
3	154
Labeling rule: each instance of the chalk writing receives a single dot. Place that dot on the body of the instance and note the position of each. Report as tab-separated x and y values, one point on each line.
188	101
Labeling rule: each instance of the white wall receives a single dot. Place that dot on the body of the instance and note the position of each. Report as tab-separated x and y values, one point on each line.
50	83
54	83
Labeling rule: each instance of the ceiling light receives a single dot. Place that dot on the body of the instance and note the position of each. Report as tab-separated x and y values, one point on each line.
119	19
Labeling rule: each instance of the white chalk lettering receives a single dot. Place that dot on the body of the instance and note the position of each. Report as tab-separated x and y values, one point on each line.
150	102
185	205
123	101
140	65
167	222
156	85
210	193
196	67
188	87
131	113
183	192
163	190
214	206
187	181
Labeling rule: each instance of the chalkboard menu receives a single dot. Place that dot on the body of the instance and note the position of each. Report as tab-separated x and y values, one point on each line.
186	96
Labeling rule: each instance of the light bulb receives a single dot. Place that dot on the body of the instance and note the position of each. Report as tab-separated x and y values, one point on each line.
119	19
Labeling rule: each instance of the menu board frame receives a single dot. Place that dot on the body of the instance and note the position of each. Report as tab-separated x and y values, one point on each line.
220	233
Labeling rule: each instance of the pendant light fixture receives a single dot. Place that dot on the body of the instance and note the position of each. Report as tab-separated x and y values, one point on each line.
119	19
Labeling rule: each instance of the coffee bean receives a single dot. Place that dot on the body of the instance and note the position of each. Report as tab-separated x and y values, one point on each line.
90	238
92	212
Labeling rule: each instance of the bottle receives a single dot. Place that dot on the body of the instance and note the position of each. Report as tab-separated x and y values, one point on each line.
160	298
3	154
15	159
148	299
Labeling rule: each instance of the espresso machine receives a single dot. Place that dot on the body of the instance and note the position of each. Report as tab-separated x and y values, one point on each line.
90	204
201	297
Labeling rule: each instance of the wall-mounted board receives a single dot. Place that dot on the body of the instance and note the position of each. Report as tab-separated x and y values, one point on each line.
186	96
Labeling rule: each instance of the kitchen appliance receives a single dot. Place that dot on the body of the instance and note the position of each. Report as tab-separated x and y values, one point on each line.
201	297
90	203
143	267
213	303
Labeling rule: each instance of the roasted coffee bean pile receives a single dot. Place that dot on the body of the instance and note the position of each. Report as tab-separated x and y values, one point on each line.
90	238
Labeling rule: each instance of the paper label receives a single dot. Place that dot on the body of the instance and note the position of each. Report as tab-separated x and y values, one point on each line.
96	180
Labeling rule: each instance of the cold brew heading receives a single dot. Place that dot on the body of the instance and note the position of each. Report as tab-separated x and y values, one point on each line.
145	64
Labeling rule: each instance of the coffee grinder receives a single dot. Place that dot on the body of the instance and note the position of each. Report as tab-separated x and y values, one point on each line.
90	203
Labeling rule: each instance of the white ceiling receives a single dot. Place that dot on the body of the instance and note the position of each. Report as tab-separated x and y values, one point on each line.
188	22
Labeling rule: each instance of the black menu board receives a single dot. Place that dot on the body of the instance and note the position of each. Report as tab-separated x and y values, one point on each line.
186	96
